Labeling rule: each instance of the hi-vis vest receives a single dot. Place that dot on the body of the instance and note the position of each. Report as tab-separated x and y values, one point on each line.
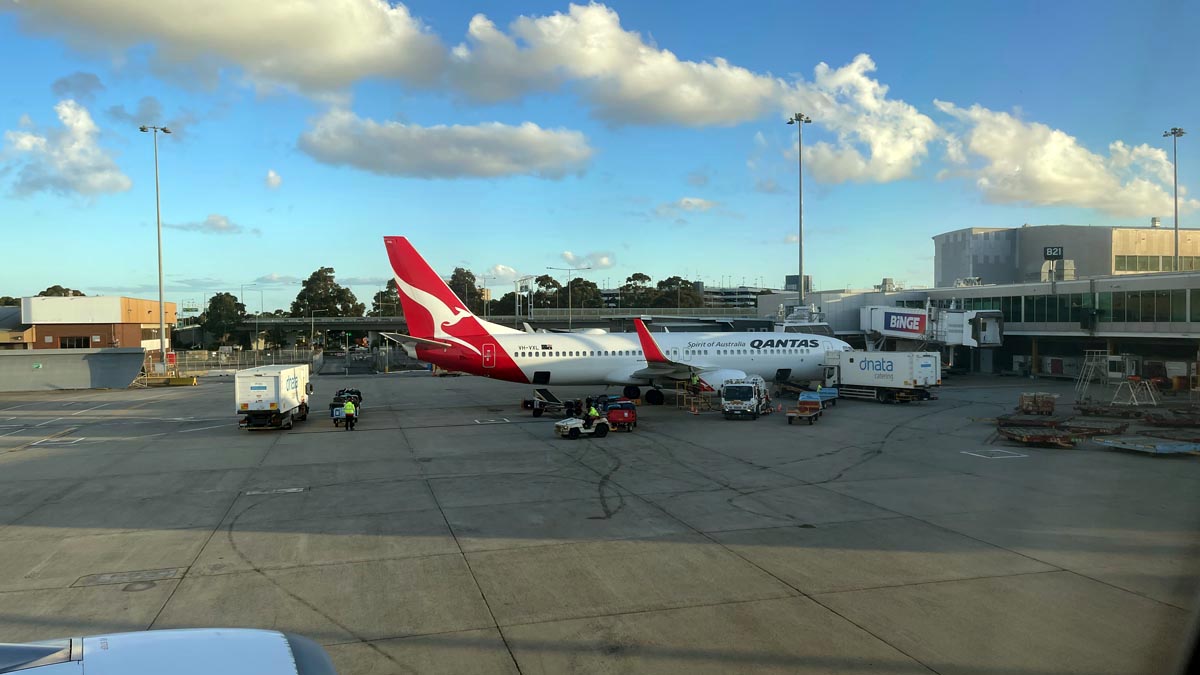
348	407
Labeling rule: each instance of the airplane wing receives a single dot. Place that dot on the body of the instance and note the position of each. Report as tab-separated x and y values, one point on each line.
411	343
658	365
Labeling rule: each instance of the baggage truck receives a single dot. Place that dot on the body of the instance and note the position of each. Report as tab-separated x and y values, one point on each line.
887	377
746	397
272	396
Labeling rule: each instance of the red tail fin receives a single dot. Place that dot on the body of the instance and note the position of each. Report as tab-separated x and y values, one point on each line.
431	309
649	346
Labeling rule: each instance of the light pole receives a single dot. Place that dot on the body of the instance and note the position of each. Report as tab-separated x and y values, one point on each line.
162	309
1175	133
800	119
242	299
483	297
312	324
518	284
568	270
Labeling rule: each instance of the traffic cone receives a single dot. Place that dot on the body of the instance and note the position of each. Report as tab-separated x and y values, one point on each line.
694	411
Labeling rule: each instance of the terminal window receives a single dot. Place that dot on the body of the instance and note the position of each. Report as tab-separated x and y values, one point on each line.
73	343
1154	263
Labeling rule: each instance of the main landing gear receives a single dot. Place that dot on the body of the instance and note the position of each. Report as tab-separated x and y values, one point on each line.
653	396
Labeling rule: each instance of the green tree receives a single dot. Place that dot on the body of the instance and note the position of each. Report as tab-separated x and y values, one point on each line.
585	293
464	285
322	294
222	317
57	291
635	292
505	305
677	292
547	293
387	301
9	301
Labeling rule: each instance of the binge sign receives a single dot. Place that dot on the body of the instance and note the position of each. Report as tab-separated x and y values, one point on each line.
913	324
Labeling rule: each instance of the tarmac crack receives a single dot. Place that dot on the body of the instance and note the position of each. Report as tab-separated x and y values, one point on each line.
467	562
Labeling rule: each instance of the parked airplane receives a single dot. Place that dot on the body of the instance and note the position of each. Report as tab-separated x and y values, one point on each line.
444	332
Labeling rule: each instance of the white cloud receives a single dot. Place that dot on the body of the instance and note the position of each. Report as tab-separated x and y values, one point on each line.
768	186
1013	161
847	101
627	80
691	204
149	112
313	45
502	274
79	86
482	151
276	279
65	160
597	261
215	223
273	179
695	204
791	239
363	281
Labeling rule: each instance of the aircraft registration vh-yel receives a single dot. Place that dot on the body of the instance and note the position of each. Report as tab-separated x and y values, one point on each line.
442	331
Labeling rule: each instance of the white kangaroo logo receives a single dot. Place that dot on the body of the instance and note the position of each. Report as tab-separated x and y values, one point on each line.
443	316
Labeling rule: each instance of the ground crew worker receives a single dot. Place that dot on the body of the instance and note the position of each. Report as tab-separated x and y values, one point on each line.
592	416
695	382
348	409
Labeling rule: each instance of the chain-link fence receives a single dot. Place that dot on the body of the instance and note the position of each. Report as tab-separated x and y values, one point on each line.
392	358
203	362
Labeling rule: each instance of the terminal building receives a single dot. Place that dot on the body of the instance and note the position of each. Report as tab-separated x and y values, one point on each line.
711	296
1015	255
83	322
1109	292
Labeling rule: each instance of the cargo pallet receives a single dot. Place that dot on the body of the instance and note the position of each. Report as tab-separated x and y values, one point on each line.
1095	410
1150	444
1043	436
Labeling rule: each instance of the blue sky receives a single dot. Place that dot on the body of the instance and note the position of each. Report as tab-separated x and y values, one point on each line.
637	137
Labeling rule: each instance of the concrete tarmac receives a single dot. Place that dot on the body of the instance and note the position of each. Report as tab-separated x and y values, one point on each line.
452	532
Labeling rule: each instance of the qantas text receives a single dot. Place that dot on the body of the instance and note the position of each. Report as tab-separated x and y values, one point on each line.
784	343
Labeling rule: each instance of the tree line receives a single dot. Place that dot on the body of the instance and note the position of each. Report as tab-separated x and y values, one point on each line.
321	295
54	291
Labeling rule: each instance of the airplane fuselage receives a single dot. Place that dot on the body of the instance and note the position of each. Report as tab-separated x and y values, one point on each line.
616	358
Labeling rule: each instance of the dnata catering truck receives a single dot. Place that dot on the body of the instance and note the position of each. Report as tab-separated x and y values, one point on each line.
887	377
745	397
272	396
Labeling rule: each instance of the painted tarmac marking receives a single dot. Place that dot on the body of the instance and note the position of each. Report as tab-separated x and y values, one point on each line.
58	441
22	405
80	412
499	420
48	422
188	431
277	491
995	454
57	434
128	577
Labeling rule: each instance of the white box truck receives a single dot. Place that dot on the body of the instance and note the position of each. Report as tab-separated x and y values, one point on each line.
887	377
272	396
745	397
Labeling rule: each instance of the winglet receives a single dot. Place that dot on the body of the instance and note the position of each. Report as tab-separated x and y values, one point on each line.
649	346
